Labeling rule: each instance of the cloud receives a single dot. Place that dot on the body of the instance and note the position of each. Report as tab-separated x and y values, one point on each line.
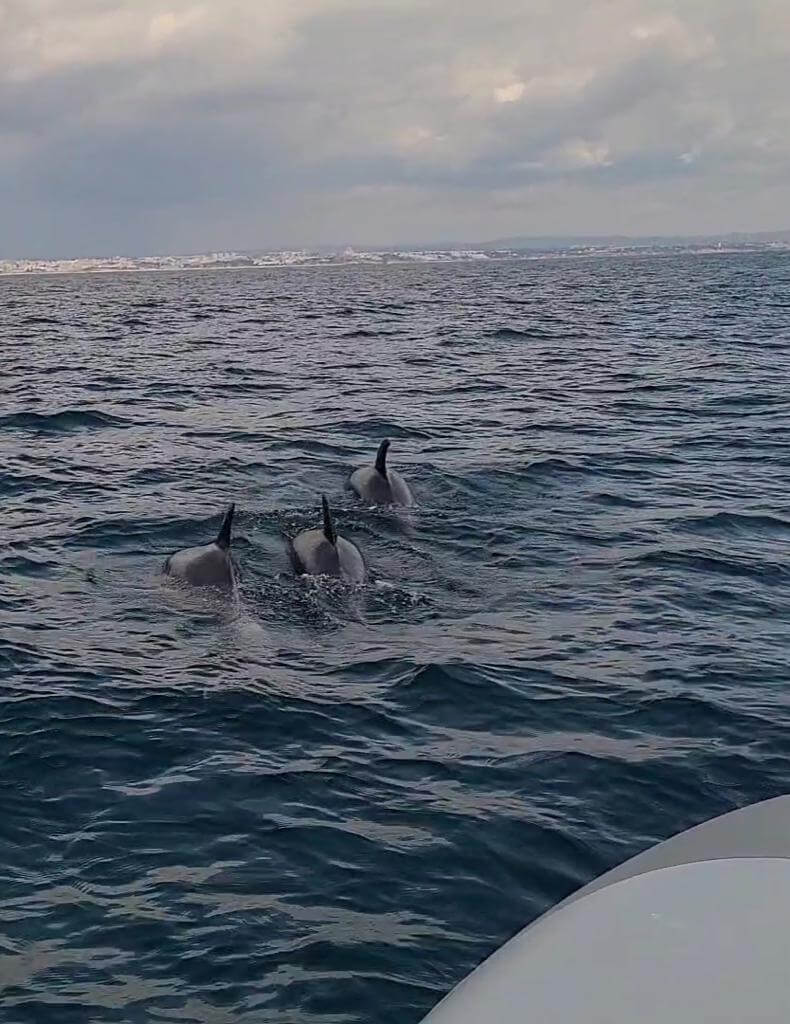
142	125
510	93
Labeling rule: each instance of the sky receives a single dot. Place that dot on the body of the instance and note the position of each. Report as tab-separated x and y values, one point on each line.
170	126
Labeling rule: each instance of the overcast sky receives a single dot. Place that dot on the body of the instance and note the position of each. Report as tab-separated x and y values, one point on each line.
150	126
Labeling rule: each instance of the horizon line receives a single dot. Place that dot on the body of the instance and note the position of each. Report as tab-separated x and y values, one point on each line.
510	242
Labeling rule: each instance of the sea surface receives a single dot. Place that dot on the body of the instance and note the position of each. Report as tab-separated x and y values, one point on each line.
314	805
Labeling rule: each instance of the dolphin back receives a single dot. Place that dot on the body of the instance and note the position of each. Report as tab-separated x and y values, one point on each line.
351	562
207	566
380	485
313	555
323	553
400	490
371	486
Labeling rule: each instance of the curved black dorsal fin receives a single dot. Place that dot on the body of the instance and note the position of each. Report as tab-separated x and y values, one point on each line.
381	458
329	526
223	537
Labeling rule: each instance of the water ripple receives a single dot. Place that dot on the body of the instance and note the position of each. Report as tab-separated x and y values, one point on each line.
294	807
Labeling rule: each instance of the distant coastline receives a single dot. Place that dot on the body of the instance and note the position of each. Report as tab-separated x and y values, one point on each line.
519	249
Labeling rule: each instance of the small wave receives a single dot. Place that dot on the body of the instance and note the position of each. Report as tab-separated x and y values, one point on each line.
472	389
22	483
359	333
713	562
389	599
310	446
46	371
650	388
764	401
686	711
616	500
156	475
16	653
245	372
236	436
534	334
41	321
456	341
548	467
61	422
639	459
21	565
734	522
250	387
379	333
377	428
109	532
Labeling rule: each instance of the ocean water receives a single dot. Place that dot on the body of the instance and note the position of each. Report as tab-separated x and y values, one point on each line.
310	805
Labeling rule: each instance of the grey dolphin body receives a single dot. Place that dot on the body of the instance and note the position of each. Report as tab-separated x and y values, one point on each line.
381	485
323	553
210	565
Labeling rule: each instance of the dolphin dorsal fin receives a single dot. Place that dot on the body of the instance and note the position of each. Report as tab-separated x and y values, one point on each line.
329	526
223	537
381	458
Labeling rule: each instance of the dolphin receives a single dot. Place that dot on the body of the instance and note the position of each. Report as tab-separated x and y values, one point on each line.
210	565
323	553
380	485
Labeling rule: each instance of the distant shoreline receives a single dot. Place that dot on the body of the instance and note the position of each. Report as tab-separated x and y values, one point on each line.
58	268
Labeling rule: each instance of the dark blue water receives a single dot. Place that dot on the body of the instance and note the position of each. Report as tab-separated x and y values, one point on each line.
321	806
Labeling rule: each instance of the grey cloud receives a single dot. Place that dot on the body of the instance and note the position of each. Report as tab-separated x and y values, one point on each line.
349	121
